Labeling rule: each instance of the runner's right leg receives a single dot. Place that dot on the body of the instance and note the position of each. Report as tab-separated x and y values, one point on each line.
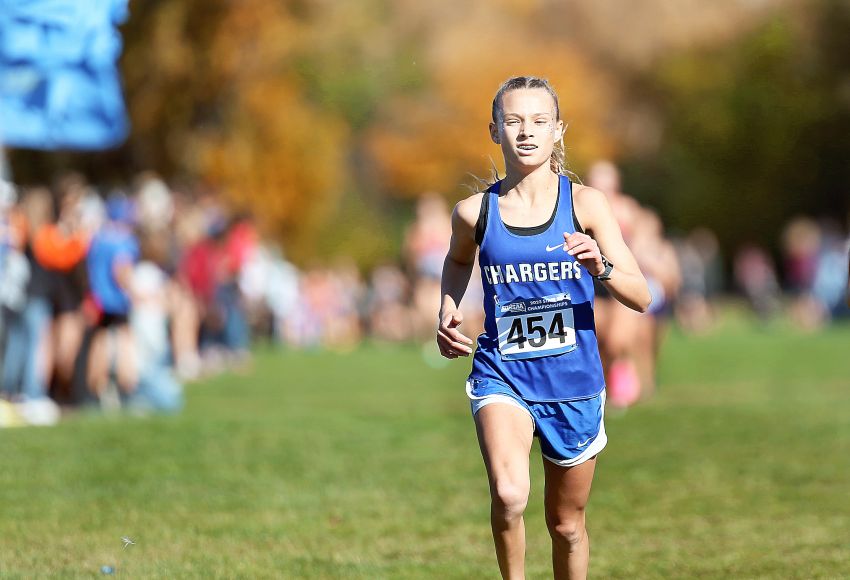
505	433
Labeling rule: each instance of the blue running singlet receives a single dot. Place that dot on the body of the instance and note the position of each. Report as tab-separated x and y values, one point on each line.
539	333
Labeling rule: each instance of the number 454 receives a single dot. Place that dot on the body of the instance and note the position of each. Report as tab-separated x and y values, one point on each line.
534	333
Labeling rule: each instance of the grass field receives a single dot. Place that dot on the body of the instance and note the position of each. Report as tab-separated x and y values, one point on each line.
365	465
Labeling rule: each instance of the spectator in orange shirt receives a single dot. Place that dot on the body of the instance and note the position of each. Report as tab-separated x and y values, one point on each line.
60	248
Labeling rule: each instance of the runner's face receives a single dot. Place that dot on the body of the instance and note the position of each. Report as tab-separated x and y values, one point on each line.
527	128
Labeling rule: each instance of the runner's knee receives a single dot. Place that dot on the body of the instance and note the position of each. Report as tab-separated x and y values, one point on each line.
566	525
510	498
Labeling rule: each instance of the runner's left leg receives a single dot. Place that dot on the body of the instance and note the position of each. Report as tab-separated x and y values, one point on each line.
566	495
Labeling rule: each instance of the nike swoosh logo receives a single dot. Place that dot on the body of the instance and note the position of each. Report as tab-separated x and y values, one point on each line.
553	248
580	445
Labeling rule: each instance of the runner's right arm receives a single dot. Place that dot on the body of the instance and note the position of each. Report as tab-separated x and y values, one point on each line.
456	271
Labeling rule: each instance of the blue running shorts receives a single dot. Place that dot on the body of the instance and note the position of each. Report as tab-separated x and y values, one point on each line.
570	432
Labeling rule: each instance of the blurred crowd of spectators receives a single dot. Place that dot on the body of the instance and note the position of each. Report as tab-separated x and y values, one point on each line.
116	298
814	261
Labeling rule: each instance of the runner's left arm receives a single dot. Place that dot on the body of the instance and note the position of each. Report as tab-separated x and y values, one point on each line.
626	283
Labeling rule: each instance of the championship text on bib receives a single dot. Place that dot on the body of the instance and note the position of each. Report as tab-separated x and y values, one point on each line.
536	327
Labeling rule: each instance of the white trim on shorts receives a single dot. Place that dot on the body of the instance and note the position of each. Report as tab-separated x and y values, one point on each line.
592	450
478	403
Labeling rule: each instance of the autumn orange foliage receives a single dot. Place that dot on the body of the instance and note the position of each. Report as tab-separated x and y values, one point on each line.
289	106
434	140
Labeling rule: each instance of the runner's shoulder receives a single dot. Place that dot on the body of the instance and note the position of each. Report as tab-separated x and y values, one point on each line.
588	203
467	210
587	196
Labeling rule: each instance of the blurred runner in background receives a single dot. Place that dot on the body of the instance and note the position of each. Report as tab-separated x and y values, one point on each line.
111	262
617	326
702	280
657	259
425	246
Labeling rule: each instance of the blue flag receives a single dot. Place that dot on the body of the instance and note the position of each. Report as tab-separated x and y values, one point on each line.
59	85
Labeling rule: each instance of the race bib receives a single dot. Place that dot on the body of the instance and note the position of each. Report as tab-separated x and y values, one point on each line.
535	328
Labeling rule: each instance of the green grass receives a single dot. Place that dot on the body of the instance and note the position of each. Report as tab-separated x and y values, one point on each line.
365	465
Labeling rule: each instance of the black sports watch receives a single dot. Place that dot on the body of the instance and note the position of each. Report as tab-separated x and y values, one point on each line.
606	273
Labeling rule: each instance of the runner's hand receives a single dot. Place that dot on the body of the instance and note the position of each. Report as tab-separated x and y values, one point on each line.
586	251
451	341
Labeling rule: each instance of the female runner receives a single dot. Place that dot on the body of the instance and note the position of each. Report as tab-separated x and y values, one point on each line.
536	371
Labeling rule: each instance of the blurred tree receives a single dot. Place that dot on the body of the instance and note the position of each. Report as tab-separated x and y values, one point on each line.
292	108
432	140
220	100
752	131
